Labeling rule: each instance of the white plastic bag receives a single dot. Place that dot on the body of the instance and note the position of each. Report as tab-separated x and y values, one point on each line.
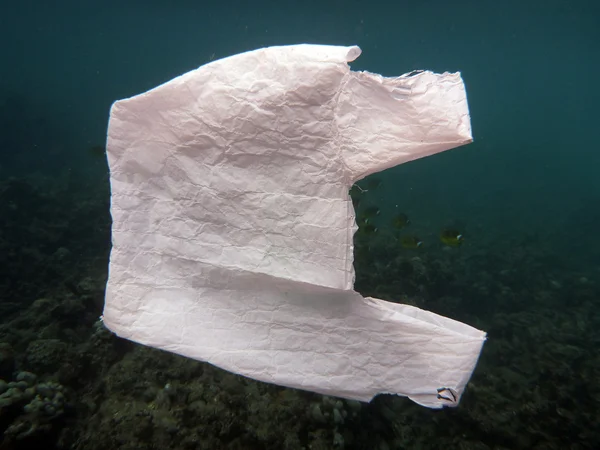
232	223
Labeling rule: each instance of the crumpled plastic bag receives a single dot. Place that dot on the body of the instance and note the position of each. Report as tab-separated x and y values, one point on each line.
232	222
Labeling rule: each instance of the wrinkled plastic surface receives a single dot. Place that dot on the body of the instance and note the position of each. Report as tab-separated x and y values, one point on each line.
232	223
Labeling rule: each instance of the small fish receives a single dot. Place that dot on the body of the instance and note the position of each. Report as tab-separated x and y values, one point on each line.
400	221
361	221
410	242
356	193
451	237
365	227
356	190
370	183
368	228
370	212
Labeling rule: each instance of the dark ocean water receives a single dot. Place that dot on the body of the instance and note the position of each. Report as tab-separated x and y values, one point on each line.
525	195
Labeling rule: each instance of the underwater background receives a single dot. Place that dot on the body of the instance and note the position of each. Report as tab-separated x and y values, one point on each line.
503	234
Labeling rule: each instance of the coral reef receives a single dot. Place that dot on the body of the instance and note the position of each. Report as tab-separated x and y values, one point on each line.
68	383
30	410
